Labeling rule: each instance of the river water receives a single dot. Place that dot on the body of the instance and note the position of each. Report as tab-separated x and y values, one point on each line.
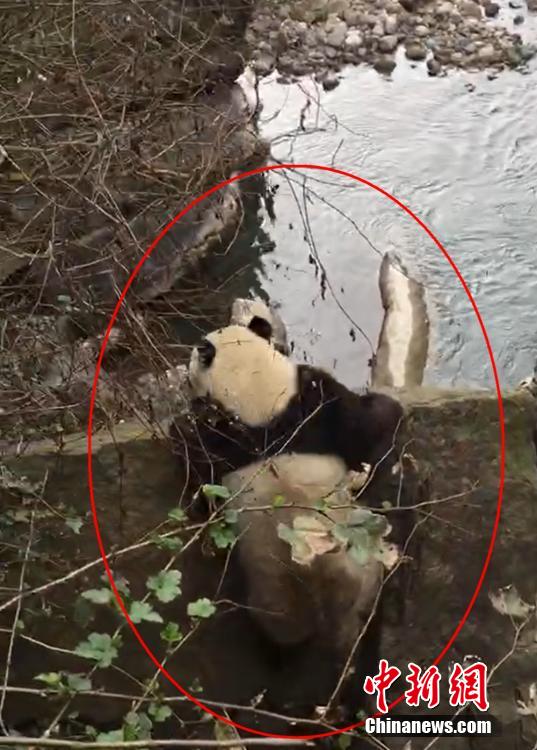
460	152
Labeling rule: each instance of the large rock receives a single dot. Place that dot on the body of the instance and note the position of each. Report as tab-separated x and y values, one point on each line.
470	9
390	24
388	43
416	51
336	31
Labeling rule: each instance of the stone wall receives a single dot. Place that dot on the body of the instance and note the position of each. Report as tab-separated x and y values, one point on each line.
453	437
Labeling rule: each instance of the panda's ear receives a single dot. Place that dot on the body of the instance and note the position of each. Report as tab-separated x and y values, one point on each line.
206	352
261	327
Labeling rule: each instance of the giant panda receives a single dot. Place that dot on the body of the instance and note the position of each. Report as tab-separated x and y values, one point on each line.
251	401
265	426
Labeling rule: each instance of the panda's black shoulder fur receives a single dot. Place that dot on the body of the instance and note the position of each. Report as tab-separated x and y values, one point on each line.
323	417
332	419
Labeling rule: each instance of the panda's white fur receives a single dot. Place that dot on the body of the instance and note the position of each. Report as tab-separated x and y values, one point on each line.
333	596
248	376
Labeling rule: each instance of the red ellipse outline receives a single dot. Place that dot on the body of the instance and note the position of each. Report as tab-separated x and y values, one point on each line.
235	178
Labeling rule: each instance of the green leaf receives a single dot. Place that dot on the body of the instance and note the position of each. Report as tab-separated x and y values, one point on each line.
137	726
116	735
278	501
286	534
83	612
166	585
78	682
322	505
144	722
344	741
143	611
171	633
341	532
177	514
168	543
159	712
202	608
360	554
215	491
98	596
52	679
130	733
75	524
373	522
231	515
310	536
122	585
222	535
99	647
225	733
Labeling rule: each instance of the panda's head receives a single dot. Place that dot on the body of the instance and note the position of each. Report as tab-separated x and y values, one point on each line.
237	368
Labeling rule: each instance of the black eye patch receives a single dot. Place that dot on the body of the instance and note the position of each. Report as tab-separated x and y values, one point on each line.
206	353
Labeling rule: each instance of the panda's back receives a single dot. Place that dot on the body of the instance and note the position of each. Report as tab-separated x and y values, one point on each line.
315	475
293	601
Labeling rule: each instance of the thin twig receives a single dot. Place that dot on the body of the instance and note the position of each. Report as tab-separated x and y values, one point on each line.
46	693
15	621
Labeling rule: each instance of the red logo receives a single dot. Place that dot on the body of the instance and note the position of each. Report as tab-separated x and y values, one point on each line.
469	686
424	687
381	682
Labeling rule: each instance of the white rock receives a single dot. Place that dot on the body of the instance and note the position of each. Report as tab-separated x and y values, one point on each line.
291	32
336	35
353	39
248	84
487	53
390	24
444	9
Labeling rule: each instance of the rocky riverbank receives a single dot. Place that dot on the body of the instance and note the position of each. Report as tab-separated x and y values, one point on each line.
82	197
102	144
319	36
